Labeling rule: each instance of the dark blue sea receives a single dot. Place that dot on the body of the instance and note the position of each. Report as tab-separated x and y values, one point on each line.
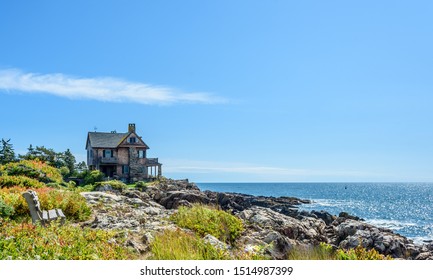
406	208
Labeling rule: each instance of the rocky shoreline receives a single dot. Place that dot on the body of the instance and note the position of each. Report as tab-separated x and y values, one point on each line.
272	223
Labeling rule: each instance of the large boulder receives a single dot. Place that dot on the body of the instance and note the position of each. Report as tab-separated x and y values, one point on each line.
174	199
325	216
236	202
115	211
353	233
308	229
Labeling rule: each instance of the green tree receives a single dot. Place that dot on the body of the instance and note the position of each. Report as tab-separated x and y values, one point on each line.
93	176
49	156
81	167
31	154
64	171
69	160
46	155
53	158
7	153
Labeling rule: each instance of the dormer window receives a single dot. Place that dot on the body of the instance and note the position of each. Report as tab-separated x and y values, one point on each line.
132	140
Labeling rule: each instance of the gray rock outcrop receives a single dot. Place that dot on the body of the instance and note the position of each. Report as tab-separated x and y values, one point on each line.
273	226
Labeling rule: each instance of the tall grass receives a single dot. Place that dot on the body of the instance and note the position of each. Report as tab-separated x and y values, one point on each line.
326	252
206	220
179	245
320	252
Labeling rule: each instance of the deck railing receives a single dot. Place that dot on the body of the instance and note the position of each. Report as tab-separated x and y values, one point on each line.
107	159
152	161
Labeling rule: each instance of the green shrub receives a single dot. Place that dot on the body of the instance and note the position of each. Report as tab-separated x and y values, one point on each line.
360	253
54	185
73	205
7	181
72	184
13	198
86	188
64	171
178	245
22	241
115	184
34	169
141	184
205	220
91	177
6	210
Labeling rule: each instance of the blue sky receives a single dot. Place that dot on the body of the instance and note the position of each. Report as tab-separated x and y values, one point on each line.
228	91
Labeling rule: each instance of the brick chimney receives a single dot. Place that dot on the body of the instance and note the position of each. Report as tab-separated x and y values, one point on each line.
131	127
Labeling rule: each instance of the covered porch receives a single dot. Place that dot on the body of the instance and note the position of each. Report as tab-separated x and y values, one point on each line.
153	168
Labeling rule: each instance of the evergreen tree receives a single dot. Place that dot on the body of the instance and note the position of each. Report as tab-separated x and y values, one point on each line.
30	155
7	153
49	156
53	158
69	160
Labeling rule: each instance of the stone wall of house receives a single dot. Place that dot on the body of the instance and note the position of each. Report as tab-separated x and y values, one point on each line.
137	170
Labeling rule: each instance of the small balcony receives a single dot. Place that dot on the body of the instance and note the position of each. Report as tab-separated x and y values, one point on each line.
152	161
112	160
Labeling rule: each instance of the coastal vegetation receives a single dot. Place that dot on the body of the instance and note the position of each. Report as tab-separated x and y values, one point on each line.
20	239
114	184
326	252
199	230
65	161
24	241
180	245
205	220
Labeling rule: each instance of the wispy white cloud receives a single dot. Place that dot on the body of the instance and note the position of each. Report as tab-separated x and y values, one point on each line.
220	170
181	166
238	169
102	89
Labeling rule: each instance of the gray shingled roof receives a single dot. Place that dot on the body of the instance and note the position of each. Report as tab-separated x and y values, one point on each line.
106	140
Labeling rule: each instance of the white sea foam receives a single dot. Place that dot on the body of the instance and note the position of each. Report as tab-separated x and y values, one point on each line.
326	202
421	239
333	206
391	224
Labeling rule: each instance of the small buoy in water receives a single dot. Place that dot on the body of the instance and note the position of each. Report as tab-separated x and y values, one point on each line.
345	187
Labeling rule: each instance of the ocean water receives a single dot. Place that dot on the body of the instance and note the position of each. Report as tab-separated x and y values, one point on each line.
406	208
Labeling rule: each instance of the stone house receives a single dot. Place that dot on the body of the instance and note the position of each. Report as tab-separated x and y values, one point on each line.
121	156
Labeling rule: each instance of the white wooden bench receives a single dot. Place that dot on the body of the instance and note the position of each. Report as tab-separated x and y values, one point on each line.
39	215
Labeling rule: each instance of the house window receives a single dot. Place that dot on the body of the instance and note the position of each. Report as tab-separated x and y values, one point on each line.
107	153
132	140
141	154
125	169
